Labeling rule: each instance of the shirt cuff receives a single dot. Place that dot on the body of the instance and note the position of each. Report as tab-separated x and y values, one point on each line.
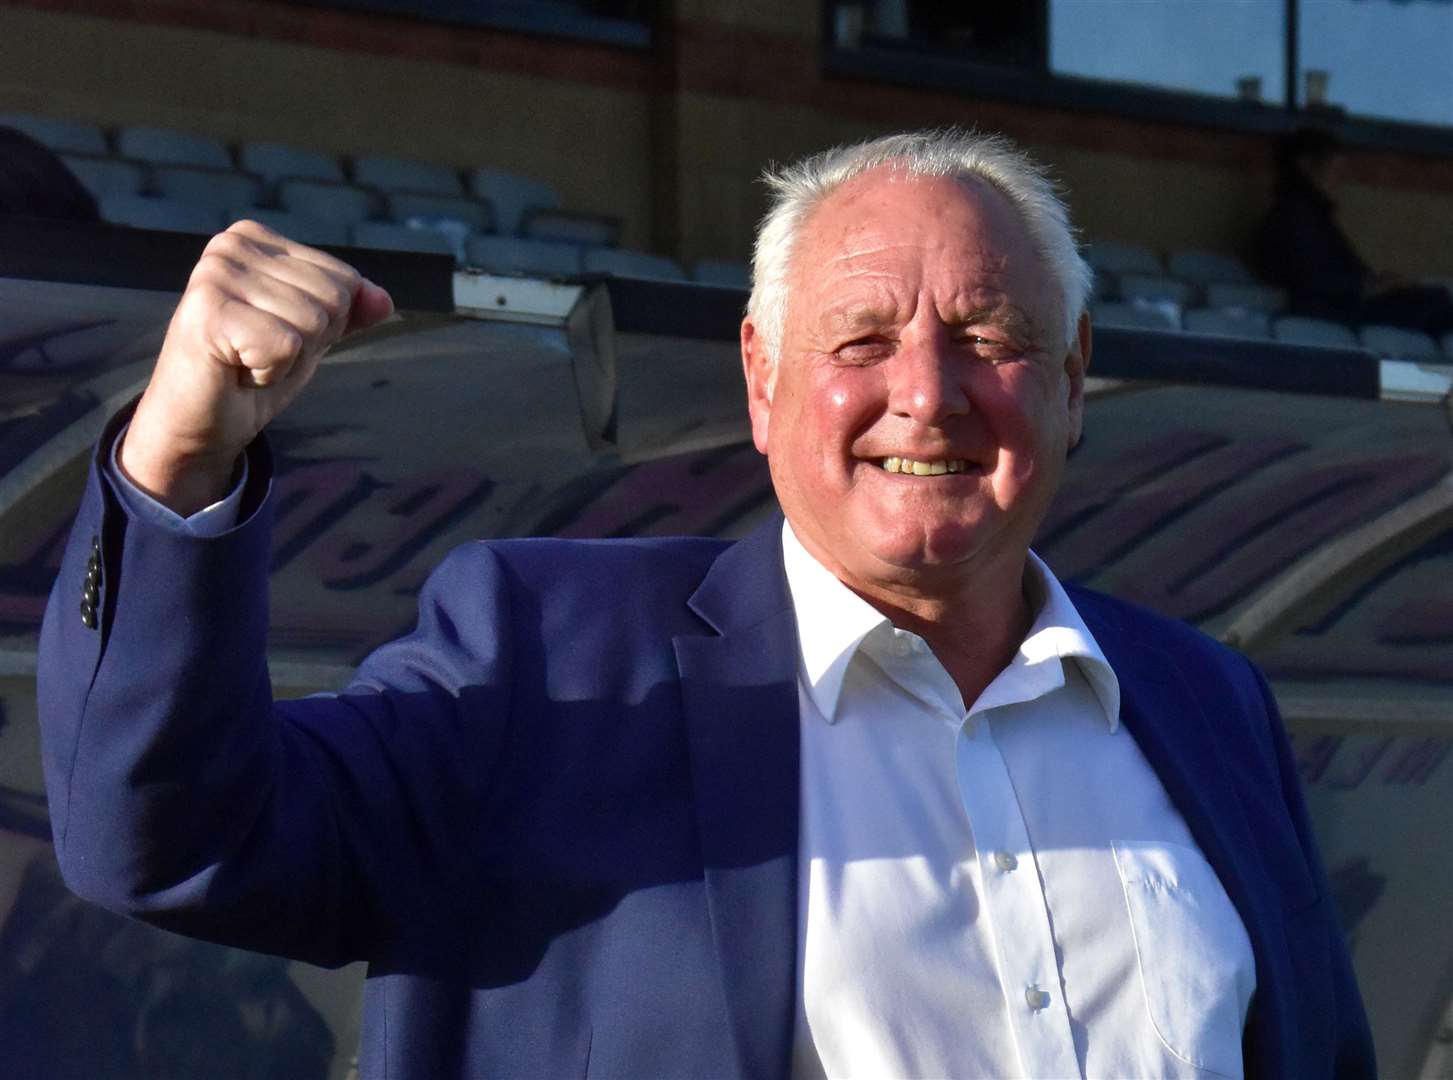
211	520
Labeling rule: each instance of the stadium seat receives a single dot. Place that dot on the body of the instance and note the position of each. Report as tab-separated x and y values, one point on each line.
391	236
105	176
511	195
164	146
623	262
1123	258
737	275
1204	267
1448	348
1155	289
1304	330
342	203
206	187
1397	343
513	255
404	174
543	223
278	161
147	212
401	206
62	136
1220	323
1134	316
1267	299
300	227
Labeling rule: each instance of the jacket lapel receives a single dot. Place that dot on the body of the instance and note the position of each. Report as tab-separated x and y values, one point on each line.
739	688
1164	712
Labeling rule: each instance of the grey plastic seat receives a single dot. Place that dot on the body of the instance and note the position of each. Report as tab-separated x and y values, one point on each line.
515	255
106	176
169	215
737	275
405	174
391	236
1220	323
1204	267
1305	330
1116	258
163	146
342	203
511	195
1267	299
1156	288
1135	316
300	227
279	161
624	262
62	136
1399	343
402	206
1448	347
206	187
543	223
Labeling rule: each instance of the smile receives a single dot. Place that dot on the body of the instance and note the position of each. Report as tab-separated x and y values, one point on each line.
911	467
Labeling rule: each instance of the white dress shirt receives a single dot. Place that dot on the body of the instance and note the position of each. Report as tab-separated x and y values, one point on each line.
1000	890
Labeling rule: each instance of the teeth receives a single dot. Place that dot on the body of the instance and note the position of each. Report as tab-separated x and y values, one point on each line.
923	468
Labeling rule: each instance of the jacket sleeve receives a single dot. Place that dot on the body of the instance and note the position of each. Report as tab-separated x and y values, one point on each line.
182	794
1352	1051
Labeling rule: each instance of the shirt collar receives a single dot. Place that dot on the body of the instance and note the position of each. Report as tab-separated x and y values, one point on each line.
832	622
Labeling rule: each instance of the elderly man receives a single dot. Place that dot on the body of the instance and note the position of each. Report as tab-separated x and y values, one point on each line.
868	792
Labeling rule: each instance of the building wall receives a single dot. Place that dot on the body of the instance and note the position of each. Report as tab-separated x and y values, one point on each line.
669	139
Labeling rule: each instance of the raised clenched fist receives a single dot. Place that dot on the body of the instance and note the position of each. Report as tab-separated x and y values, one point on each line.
258	313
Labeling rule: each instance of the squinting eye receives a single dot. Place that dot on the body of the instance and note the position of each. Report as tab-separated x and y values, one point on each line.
864	350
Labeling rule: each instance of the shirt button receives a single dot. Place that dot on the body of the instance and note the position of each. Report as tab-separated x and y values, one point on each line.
901	647
1005	861
1036	998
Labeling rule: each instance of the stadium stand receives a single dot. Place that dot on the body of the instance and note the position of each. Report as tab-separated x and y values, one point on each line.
342	203
1135	316
152	212
514	255
1203	267
477	214
1246	296
279	161
163	146
1305	330
1123	258
304	228
626	263
728	272
1227	323
62	136
1397	343
215	188
511	195
104	176
1156	288
391	236
404	174
544	223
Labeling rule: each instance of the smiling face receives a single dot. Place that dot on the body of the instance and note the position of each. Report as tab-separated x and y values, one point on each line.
917	420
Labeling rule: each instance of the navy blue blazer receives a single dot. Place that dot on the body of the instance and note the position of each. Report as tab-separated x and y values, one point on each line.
559	820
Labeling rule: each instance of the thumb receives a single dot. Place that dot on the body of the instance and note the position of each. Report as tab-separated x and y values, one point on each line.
371	304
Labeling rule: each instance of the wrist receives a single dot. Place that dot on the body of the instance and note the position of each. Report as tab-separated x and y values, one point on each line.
183	482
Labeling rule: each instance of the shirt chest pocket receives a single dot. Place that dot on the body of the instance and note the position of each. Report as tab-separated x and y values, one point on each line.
1196	967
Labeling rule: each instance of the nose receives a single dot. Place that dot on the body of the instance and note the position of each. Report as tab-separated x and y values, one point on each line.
927	379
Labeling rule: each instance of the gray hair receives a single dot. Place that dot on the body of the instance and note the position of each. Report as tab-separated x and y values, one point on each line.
797	190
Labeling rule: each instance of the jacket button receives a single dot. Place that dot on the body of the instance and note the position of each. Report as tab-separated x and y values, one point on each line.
91	593
88	615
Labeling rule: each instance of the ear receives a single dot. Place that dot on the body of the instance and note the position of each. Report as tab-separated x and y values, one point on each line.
761	373
1077	366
